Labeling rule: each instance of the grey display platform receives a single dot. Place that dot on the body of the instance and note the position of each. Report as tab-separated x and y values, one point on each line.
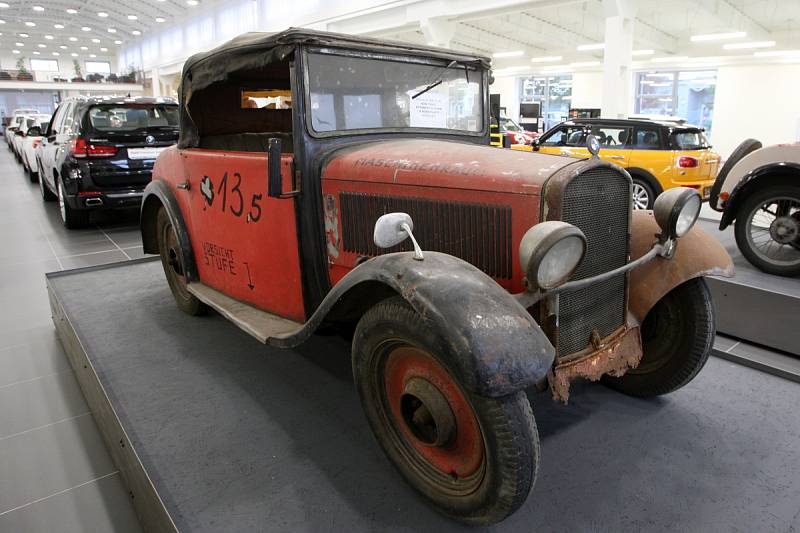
755	306
215	432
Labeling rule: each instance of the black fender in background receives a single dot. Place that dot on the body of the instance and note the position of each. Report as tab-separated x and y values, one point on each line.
488	339
157	194
750	182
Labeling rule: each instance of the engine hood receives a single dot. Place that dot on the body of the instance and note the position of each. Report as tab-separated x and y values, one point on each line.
444	164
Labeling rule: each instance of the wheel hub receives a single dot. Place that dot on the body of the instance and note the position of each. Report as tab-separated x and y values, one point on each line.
784	230
426	413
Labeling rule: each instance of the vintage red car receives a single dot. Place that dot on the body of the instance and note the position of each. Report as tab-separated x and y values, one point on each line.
306	160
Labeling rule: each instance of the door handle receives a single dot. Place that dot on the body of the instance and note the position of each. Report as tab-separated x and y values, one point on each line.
616	157
185	185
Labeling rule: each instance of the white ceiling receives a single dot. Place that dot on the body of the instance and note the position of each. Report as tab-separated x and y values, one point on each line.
44	37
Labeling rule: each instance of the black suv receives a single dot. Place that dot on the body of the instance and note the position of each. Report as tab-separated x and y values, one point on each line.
98	153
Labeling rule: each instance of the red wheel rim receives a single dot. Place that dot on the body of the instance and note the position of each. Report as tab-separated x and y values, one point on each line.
459	452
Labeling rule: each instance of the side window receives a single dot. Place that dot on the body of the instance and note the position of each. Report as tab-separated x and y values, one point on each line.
611	136
646	138
69	127
566	136
54	121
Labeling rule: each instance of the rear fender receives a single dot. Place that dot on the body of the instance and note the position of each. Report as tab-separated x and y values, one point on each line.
487	338
756	178
157	194
696	254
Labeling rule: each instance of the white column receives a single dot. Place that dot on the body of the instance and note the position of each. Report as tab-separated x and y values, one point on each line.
617	57
438	31
156	82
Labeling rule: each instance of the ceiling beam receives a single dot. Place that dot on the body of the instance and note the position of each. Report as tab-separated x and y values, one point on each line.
730	18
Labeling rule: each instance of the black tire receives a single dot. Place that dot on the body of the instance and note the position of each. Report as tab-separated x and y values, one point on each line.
745	147
33	176
643	194
171	260
503	427
47	194
790	266
677	337
72	218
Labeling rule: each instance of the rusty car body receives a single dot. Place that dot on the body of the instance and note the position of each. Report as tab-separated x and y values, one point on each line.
301	151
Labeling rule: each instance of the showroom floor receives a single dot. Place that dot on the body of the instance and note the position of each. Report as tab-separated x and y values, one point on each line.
55	473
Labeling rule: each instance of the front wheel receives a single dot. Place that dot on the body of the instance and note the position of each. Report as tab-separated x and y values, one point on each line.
768	229
677	337
474	458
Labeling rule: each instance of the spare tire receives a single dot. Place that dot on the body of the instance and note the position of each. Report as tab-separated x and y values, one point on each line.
745	147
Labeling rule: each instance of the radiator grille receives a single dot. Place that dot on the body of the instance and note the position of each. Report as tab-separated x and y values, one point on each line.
598	202
477	233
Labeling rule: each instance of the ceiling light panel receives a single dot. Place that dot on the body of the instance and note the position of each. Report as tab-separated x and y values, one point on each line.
717	36
749	45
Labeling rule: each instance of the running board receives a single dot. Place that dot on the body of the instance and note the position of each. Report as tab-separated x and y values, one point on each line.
260	324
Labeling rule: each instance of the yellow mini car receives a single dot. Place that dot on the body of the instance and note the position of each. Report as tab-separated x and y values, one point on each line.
658	155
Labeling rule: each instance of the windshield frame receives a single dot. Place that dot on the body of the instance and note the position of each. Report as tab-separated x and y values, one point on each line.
473	69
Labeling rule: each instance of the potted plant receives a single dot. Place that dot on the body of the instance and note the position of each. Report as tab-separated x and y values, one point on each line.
23	74
78	74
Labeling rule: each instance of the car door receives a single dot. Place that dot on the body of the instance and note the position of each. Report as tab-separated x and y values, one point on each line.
51	144
613	139
648	152
245	242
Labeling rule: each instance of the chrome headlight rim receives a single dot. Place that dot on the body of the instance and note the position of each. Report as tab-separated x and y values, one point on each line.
677	210
539	241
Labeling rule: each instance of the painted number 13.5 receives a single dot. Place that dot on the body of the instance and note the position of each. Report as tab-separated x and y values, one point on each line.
235	204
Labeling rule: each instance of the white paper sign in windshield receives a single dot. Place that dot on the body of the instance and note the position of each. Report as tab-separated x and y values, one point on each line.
429	110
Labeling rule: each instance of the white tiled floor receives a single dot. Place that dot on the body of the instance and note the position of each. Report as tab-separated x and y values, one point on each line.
55	472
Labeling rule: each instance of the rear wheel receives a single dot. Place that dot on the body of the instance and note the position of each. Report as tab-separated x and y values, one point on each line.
677	337
643	194
172	260
474	458
72	218
47	194
768	229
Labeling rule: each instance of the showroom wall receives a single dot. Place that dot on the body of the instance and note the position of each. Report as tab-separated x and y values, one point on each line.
66	70
587	89
761	102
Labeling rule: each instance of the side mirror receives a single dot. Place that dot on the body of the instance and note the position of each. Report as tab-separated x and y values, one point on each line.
35	131
274	180
535	143
20	133
393	228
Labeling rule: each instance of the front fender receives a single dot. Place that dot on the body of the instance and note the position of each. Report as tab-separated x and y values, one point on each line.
696	254
487	338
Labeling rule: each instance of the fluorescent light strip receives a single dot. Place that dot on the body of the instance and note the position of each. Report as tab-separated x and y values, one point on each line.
669	59
744	46
777	53
594	46
643	52
513	53
717	36
585	64
546	59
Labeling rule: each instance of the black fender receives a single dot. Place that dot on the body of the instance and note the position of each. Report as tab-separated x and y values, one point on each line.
749	182
157	194
488	339
641	173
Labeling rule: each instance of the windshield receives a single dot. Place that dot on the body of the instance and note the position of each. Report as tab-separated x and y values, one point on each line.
356	93
688	140
132	117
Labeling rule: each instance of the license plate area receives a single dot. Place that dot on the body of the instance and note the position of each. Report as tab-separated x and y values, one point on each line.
144	153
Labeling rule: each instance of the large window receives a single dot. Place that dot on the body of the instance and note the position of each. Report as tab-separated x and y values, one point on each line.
134	117
44	65
99	67
687	94
357	93
552	93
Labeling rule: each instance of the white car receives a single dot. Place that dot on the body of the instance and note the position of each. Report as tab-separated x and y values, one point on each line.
28	144
759	189
16	120
28	121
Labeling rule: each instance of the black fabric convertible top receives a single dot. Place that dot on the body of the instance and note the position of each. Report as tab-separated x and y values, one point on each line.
252	51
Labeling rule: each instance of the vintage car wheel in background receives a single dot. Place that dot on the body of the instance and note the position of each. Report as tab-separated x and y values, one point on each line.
171	260
474	458
768	228
643	195
677	336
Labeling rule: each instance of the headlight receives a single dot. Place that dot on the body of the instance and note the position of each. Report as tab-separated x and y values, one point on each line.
550	252
676	211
